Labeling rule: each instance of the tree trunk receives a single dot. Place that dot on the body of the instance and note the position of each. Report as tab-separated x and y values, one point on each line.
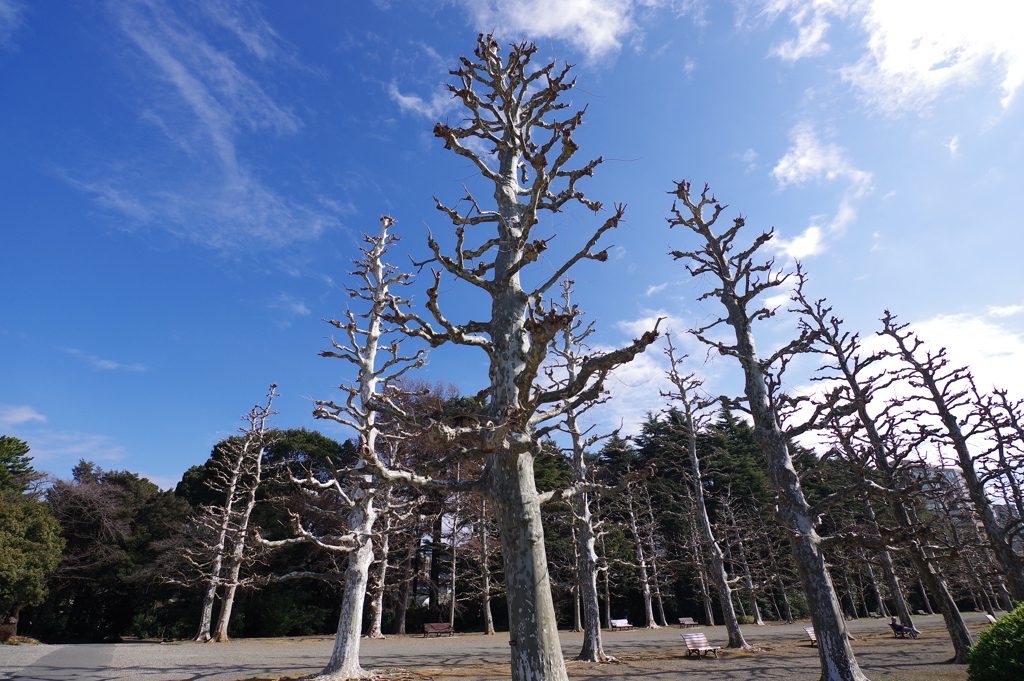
586	579
379	584
405	584
344	662
533	629
485	562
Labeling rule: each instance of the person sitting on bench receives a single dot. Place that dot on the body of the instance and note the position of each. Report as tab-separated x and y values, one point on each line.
898	628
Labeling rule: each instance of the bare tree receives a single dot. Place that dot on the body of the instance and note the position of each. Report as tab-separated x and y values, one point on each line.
693	409
877	443
355	490
221	531
514	117
948	391
738	284
571	350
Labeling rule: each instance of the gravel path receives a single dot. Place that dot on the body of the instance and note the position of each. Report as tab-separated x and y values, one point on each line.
651	655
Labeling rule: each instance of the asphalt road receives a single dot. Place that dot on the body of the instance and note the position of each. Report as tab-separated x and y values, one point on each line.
254	657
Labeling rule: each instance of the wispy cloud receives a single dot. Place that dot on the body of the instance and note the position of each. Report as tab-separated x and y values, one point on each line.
203	100
809	160
439	103
12	15
105	364
65	448
595	27
652	290
811	20
291	304
916	50
12	415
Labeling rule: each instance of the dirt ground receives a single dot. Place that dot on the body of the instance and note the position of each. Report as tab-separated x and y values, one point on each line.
779	656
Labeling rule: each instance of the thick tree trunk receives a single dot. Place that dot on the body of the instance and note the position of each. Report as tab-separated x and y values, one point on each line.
533	630
206	614
344	662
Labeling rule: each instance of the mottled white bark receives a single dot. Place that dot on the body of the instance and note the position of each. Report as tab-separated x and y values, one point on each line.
377	364
514	118
737	283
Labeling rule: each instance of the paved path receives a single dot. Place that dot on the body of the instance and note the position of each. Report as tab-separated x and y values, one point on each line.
254	657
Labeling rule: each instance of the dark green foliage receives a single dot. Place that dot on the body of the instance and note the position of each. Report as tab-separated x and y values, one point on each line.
16	473
113	523
30	548
999	653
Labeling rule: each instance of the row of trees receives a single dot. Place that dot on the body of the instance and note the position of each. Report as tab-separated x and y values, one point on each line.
470	500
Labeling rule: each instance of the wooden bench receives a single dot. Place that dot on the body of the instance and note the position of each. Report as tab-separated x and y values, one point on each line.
698	644
990	618
811	635
438	628
621	624
687	622
875	615
922	613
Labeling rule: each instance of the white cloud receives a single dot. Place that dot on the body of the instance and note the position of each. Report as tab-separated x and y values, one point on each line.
916	49
202	100
805	245
651	290
440	102
1006	311
12	415
595	27
810	19
105	364
11	18
994	353
809	160
953	145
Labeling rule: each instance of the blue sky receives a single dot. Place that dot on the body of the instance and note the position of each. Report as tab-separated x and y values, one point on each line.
182	185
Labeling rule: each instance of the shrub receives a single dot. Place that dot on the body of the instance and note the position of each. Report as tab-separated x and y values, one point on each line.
999	653
745	619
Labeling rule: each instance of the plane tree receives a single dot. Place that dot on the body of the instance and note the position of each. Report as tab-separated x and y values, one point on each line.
515	136
740	283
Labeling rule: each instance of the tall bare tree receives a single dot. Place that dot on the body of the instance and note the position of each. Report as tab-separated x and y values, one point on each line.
222	530
370	344
513	135
739	284
693	409
947	391
876	442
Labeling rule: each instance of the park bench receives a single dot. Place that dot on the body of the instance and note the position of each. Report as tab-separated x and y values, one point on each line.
687	622
875	615
990	618
621	624
437	628
811	635
898	630
698	644
922	613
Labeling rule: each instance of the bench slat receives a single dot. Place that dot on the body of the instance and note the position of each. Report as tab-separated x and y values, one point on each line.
698	643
